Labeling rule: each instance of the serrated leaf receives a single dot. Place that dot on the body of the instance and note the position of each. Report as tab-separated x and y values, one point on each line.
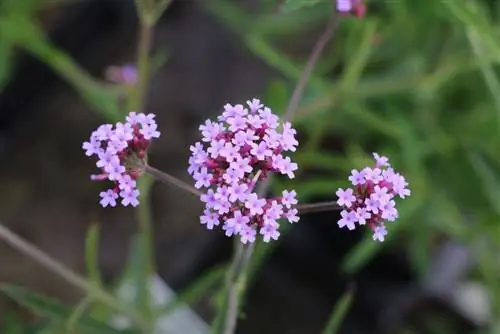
49	308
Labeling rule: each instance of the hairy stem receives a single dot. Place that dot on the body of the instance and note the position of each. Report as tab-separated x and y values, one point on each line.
171	180
92	290
143	214
143	53
236	279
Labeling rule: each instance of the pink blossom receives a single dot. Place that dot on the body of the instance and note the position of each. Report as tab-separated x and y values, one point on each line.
240	149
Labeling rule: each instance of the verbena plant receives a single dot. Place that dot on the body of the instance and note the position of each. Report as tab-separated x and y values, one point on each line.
392	62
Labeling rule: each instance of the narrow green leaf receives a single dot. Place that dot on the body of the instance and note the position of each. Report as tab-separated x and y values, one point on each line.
6	61
339	312
359	58
273	57
473	16
21	32
491	182
92	254
52	309
293	5
486	67
196	290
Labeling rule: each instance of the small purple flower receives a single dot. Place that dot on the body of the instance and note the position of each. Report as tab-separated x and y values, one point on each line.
203	178
130	197
357	178
270	231
289	198
255	204
210	219
349	219
371	201
379	233
247	234
346	197
108	197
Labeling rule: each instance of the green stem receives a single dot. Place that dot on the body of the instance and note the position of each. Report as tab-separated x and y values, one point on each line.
236	278
143	53
143	214
92	290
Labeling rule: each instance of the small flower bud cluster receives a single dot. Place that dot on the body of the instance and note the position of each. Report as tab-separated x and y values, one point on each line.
123	75
241	148
118	149
372	200
349	6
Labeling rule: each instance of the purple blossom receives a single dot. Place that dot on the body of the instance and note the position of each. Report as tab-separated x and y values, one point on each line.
116	146
346	197
130	197
348	219
270	231
344	6
357	177
371	200
108	197
240	148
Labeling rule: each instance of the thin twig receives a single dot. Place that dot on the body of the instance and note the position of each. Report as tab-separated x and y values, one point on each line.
243	253
316	52
318	207
67	274
171	180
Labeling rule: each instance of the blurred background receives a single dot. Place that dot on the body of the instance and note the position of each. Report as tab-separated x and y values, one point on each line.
414	80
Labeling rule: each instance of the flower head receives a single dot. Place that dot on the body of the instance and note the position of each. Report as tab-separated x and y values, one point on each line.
119	148
371	200
242	147
126	74
349	6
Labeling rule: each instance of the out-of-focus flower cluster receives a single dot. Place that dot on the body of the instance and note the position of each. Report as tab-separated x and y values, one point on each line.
123	75
241	148
119	148
371	201
351	6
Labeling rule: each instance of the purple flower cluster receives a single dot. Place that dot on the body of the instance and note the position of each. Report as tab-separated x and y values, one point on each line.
372	200
241	148
348	6
118	149
126	74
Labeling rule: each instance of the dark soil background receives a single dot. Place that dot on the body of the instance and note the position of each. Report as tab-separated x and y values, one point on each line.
46	196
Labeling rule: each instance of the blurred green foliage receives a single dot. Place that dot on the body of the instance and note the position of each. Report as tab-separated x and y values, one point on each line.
414	80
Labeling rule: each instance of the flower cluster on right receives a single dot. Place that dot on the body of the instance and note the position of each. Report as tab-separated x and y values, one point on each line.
371	200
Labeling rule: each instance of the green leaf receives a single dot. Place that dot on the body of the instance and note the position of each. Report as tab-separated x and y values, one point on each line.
52	309
92	254
23	33
25	8
486	66
474	17
339	312
6	63
293	5
196	290
277	59
490	181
